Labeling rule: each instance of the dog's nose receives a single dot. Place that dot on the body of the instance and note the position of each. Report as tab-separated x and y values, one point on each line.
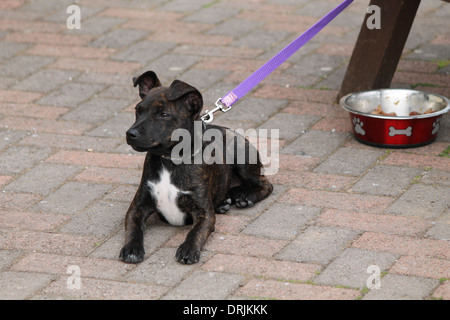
132	133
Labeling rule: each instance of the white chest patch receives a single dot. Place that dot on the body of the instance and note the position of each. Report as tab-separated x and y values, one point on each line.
166	194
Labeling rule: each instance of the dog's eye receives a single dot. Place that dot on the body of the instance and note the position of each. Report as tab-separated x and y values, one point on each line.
163	115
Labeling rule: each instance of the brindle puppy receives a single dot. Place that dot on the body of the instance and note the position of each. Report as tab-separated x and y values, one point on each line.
187	192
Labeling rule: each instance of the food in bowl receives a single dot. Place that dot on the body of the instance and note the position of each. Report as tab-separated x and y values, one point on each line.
379	111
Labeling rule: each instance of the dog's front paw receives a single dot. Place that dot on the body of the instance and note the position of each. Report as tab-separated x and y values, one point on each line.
187	254
132	253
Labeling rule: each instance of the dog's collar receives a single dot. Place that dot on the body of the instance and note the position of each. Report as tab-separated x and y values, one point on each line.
180	159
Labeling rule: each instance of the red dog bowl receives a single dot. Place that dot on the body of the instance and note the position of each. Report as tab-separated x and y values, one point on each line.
395	118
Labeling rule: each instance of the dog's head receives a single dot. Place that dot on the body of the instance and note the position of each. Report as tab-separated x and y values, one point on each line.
161	111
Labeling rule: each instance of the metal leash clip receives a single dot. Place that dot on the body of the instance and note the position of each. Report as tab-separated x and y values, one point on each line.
209	115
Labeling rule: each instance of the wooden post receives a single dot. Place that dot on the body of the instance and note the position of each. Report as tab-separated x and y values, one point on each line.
377	51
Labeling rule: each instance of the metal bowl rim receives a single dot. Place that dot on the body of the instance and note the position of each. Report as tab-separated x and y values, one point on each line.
344	105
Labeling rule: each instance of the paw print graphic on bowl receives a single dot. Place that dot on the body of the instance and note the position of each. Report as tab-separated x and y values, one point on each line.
358	126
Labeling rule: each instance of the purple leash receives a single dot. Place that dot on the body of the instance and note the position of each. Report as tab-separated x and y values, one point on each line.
224	104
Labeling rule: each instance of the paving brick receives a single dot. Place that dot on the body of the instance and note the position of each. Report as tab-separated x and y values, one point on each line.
312	181
43	178
261	267
4	180
349	161
45	80
373	222
396	287
443	291
58	140
441	228
231	223
114	127
336	200
169	66
24	26
422	267
58	264
18	96
350	268
271	289
101	219
424	201
134	13
318	65
281	221
56	243
122	193
71	94
261	38
436	176
156	235
333	124
110	175
308	143
96	110
10	4
217	51
161	268
96	65
119	38
108	160
202	285
7	257
404	245
303	94
70	51
144	51
104	289
20	286
9	49
416	66
72	197
234	27
32	110
212	15
48	38
298	163
234	244
17	201
96	26
201	78
386	180
417	161
317	245
290	126
28	157
21	66
31	220
108	78
44	125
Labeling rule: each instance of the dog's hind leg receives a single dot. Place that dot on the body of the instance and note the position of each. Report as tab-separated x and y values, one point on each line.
254	187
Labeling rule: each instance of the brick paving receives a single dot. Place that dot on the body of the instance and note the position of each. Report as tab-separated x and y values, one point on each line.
67	175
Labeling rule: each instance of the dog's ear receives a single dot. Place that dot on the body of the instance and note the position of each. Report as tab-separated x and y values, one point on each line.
192	97
146	82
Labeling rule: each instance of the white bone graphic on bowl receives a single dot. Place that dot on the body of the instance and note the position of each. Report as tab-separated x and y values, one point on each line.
394	132
435	126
